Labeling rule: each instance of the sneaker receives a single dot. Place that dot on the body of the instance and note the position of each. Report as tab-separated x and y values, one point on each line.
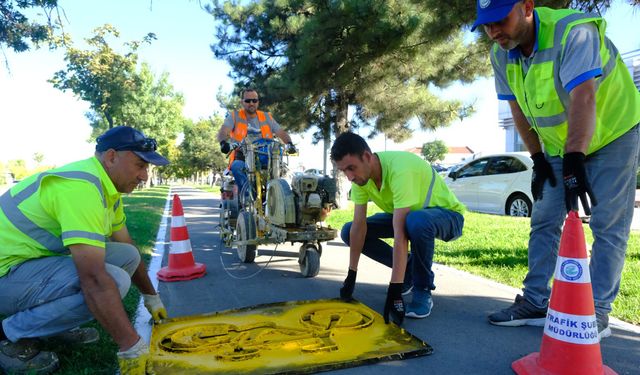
24	357
421	304
406	289
521	313
77	336
603	325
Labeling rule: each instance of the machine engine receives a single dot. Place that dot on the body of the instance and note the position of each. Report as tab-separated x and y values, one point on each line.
304	203
313	194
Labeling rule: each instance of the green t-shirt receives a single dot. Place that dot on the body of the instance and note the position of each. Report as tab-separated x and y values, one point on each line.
407	181
79	205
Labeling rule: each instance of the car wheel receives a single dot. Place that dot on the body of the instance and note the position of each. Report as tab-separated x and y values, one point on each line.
518	205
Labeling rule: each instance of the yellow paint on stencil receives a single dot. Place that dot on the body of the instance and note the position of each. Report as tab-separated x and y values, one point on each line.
291	336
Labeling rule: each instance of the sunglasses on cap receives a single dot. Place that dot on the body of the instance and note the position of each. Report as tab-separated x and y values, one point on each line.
251	100
143	145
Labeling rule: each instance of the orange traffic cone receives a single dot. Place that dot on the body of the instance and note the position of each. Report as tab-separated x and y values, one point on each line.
570	342
181	263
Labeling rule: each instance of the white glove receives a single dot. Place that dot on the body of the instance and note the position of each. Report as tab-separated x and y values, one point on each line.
156	308
133	361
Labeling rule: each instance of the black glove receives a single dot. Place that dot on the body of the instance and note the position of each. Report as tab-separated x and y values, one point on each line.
291	149
575	182
346	292
394	305
225	147
541	172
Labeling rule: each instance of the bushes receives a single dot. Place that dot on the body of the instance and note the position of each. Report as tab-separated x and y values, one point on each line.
638	179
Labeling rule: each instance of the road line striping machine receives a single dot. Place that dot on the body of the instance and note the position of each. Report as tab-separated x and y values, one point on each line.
268	210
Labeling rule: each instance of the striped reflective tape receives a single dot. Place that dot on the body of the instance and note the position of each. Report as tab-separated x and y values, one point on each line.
178	221
180	247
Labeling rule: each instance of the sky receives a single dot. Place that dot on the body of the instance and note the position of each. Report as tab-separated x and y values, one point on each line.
37	118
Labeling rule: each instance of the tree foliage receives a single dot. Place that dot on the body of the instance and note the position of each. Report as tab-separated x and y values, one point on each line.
118	92
434	151
311	59
154	107
198	153
17	31
100	75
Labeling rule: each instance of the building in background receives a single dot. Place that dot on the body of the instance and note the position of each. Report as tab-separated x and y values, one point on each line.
455	154
513	142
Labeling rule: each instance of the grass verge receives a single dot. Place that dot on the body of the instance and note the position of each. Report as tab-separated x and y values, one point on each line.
143	209
495	247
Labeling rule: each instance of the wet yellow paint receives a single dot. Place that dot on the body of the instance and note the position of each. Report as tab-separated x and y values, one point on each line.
290	337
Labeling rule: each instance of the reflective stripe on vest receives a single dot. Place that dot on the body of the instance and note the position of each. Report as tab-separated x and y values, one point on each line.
241	127
544	101
9	205
241	124
430	191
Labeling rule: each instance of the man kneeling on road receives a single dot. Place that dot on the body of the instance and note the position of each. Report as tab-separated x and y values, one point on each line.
74	210
417	206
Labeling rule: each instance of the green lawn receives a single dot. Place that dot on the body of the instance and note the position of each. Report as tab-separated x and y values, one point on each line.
144	211
495	247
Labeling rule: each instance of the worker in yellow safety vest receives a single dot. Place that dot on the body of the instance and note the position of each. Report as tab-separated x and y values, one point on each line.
66	256
417	206
577	111
248	121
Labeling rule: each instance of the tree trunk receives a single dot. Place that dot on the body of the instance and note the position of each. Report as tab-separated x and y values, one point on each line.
341	125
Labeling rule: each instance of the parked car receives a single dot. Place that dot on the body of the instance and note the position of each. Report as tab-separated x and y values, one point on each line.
498	184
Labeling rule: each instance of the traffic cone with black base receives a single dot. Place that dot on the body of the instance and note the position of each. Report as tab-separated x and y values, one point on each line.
570	342
181	263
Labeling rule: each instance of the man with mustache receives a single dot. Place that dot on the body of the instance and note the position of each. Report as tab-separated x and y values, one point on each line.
418	206
66	256
248	121
577	110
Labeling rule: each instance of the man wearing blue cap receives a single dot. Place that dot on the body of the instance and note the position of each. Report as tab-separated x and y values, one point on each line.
577	110
66	256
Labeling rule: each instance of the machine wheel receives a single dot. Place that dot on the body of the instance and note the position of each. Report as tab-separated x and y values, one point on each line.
246	230
310	262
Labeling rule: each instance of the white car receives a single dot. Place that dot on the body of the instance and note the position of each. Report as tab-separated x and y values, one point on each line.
497	184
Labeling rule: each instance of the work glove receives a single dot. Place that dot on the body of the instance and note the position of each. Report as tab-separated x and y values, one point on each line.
154	304
291	149
346	292
575	182
133	361
225	146
394	305
542	171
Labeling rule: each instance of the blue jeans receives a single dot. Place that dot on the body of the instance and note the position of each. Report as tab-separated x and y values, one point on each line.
611	171
238	171
43	296
422	227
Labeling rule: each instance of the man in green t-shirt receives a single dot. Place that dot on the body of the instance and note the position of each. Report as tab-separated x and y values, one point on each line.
418	207
66	256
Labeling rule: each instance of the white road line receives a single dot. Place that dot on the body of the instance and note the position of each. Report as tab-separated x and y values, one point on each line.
143	323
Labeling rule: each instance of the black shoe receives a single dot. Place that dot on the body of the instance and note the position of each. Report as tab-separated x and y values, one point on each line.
24	357
521	313
77	335
603	325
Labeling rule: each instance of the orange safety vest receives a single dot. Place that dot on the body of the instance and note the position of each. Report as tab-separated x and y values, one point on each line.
241	127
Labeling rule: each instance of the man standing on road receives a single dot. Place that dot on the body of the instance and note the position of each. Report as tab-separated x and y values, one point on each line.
418	207
569	92
66	256
248	121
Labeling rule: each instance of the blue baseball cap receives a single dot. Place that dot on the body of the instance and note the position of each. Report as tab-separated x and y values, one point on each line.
492	11
125	138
